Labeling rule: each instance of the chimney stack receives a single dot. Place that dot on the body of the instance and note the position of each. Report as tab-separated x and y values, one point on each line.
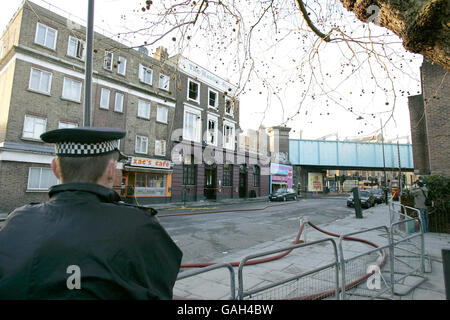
161	54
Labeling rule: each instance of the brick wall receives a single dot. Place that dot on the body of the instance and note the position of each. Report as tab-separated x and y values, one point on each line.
14	186
418	134
436	88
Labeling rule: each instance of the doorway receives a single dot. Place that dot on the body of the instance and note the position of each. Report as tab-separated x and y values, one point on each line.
210	182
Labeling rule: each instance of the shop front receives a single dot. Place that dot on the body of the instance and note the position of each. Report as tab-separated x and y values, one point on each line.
280	176
146	181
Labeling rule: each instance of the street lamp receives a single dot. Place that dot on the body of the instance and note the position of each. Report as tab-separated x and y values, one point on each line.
384	164
89	62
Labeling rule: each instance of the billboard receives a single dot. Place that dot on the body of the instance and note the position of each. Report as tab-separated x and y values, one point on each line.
315	182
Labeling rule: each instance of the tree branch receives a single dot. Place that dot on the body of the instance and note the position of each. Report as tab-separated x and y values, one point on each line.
323	36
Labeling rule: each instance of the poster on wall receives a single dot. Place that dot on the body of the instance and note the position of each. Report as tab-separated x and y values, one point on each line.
315	182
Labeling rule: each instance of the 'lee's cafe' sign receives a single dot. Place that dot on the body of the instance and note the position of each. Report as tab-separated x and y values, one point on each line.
150	163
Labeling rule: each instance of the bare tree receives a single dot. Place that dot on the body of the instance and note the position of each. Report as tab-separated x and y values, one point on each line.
255	40
424	25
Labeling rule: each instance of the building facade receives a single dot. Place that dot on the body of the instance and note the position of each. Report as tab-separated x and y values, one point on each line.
430	125
212	159
154	99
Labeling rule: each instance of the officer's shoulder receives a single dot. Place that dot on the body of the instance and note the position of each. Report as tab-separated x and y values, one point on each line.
149	211
24	209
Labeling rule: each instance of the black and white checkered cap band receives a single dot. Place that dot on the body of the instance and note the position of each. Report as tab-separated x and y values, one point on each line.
85	149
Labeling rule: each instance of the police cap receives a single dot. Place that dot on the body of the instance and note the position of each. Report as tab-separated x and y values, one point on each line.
85	141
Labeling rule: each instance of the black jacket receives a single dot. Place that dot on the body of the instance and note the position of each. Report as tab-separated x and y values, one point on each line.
122	251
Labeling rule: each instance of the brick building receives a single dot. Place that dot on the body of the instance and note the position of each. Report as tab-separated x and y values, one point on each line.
42	85
216	161
430	125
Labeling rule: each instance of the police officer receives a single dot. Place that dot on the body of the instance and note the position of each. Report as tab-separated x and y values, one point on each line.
84	243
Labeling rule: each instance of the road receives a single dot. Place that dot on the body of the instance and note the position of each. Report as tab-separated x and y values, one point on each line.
209	237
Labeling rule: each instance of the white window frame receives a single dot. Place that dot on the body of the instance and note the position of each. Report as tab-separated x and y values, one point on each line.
158	113
198	91
122	65
105	60
105	95
64	89
34	135
144	139
40	79
143	70
39	188
67	124
196	134
160	145
47	28
77	49
164	82
216	105
229	145
232	107
116	108
216	129
139	114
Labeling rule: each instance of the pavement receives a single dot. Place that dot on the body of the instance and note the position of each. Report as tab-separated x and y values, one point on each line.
429	285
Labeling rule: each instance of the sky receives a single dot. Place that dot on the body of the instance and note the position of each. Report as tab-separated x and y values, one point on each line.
314	100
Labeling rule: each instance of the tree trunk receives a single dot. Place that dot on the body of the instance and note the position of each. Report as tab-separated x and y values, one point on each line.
423	25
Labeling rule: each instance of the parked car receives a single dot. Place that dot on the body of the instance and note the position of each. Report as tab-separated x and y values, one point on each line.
366	197
378	195
283	194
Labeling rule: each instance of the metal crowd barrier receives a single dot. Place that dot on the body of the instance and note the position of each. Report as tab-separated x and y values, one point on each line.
408	254
358	269
294	287
406	225
187	274
393	263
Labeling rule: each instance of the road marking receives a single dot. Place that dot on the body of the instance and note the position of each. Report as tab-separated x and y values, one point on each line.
189	208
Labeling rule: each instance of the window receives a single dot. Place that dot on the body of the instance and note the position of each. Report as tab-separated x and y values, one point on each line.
118	103
229	107
75	48
212	130
71	90
104	98
145	74
122	66
150	184
212	99
143	109
41	178
228	175
164	82
160	147
141	144
108	60
228	135
64	125
192	124
33	127
193	91
40	81
45	36
161	114
189	171
256	176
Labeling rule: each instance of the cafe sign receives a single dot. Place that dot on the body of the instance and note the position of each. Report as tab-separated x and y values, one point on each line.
150	163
